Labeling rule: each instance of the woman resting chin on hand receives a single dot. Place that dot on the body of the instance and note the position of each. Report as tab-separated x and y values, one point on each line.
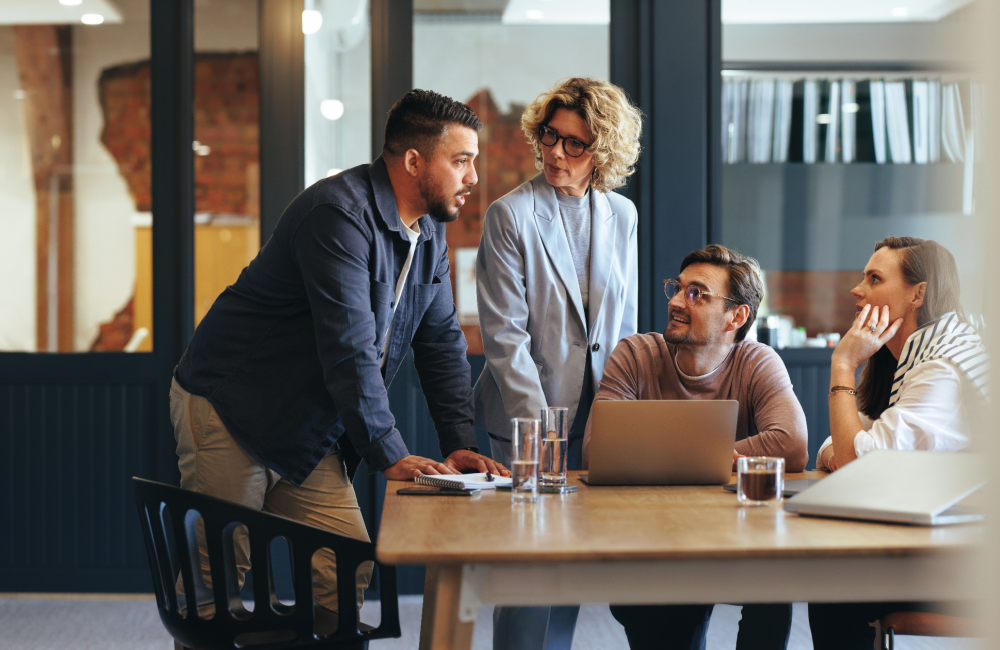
924	367
922	359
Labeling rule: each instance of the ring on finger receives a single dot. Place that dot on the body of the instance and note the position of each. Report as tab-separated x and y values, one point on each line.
873	329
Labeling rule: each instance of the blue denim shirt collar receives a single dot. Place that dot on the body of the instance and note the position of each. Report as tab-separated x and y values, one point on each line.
385	201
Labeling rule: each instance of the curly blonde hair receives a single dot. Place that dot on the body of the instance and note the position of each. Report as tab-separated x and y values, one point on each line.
613	121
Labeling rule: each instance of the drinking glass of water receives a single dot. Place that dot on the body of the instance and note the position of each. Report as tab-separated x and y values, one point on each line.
760	480
555	434
524	460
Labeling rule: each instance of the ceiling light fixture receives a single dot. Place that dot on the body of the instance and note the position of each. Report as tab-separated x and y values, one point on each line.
332	109
823	118
92	19
70	3
900	12
312	20
535	14
850	108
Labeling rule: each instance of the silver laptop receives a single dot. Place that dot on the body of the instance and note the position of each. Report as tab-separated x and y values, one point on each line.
662	442
906	487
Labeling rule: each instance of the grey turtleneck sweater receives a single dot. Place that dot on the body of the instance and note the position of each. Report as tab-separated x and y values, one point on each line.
576	214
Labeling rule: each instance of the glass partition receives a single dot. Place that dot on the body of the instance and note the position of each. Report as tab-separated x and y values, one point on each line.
824	158
74	174
497	57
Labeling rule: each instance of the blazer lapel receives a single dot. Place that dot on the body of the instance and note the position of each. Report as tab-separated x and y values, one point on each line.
603	254
553	234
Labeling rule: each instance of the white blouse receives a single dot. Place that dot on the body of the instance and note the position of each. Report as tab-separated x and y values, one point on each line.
928	416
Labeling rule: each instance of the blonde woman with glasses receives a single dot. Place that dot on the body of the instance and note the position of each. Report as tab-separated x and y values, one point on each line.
557	289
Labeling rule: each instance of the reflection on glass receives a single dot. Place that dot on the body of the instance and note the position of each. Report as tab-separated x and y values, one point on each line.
74	175
497	57
338	87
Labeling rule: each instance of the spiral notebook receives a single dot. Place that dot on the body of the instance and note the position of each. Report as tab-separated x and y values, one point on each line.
463	481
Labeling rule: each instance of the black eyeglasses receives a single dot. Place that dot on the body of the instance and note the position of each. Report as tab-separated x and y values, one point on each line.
692	294
574	148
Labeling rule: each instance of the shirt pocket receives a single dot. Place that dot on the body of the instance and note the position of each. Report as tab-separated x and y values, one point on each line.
423	298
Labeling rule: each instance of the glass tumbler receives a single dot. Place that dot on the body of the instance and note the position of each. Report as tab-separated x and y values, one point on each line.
760	480
555	436
524	460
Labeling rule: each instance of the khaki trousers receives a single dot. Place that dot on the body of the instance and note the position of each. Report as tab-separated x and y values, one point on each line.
213	463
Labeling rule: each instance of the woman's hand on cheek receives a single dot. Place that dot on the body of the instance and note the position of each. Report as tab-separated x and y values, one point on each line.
861	341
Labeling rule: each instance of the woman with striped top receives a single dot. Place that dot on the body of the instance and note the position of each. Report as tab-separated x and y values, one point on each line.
925	373
926	366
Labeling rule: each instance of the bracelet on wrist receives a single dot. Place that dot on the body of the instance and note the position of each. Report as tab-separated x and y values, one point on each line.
842	389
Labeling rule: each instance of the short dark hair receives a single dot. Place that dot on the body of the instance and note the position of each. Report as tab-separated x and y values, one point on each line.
746	286
419	119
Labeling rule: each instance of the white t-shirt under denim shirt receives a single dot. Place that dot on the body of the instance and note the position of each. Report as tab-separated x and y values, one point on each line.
412	235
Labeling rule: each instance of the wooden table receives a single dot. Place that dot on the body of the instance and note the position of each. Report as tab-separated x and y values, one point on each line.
632	544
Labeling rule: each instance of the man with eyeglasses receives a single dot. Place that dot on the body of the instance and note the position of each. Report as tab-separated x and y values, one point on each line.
704	354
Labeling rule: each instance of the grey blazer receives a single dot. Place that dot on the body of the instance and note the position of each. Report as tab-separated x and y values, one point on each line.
530	307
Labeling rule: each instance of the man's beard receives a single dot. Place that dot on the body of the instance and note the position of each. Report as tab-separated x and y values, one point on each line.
677	338
438	202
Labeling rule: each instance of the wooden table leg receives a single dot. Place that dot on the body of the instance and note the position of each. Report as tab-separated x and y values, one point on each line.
440	628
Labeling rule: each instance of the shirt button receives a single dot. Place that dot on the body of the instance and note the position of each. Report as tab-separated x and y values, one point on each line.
392	304
597	346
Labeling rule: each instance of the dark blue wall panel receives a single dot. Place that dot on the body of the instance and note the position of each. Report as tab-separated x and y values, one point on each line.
67	518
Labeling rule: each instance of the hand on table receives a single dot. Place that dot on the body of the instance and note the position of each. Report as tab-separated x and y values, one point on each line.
860	342
413	466
464	459
736	455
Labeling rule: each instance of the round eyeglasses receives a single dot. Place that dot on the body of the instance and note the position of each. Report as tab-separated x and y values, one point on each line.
692	294
573	147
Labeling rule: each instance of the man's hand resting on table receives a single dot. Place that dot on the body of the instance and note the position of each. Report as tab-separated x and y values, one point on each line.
736	455
464	460
413	466
458	461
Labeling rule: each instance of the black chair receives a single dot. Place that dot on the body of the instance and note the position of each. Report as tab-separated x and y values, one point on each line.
222	622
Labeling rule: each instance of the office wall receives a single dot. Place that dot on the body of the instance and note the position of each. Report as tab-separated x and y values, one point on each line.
515	62
884	42
17	216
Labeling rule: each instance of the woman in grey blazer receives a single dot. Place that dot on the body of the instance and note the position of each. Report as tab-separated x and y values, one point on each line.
556	277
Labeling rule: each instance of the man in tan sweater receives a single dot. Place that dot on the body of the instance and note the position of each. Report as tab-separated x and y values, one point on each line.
703	354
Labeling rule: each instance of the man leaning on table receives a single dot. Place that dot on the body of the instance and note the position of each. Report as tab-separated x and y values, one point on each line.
282	390
703	354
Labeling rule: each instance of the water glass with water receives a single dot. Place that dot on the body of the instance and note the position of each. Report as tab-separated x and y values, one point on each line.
524	460
555	435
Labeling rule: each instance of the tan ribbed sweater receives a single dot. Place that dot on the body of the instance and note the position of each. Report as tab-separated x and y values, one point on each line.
770	420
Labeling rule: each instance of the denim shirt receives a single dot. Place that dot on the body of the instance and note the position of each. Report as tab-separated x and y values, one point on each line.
290	354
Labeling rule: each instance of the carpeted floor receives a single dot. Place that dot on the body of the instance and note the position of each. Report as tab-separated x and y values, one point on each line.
128	622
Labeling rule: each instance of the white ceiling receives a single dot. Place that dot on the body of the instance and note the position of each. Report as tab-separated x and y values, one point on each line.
51	12
596	12
561	12
836	11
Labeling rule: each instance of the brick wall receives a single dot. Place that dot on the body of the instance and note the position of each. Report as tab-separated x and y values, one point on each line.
225	120
820	301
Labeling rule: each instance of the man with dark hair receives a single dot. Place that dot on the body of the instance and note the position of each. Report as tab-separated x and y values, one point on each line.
704	354
282	390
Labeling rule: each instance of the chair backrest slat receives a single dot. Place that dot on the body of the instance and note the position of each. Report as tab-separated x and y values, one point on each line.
219	516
